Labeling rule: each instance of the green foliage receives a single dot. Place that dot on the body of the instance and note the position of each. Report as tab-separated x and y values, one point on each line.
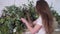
10	18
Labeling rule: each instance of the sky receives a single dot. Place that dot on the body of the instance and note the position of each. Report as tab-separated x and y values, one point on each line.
3	3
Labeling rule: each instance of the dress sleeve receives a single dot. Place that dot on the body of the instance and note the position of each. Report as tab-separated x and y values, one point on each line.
39	21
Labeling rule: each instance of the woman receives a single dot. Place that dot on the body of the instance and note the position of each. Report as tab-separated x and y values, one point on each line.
43	25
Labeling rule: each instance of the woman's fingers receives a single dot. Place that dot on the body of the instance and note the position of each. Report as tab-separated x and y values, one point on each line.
23	20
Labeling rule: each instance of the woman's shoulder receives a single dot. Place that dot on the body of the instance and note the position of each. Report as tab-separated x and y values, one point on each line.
39	20
39	17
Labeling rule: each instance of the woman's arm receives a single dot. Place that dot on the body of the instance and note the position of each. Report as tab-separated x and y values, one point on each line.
34	29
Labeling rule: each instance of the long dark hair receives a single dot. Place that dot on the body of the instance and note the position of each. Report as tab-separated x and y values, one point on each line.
47	18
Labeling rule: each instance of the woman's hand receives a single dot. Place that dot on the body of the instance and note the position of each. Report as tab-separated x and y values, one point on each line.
23	20
34	22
